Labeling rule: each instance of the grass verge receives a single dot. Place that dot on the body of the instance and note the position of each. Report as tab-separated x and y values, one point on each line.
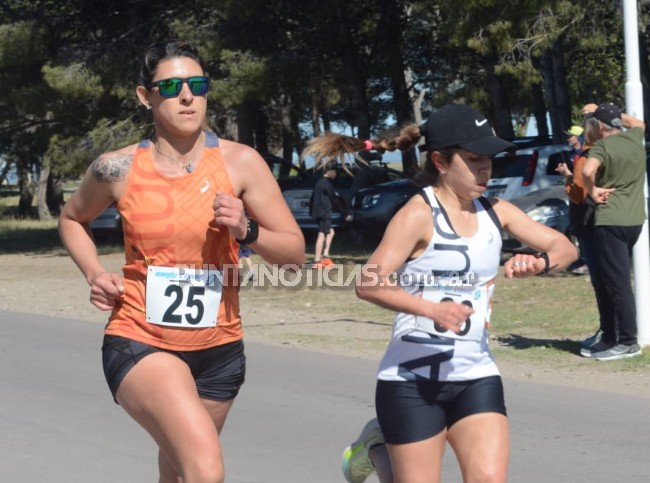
538	320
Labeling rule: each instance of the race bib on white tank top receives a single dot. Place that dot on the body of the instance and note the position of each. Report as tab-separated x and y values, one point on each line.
477	298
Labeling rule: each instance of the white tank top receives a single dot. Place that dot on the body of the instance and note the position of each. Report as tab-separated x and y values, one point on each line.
452	267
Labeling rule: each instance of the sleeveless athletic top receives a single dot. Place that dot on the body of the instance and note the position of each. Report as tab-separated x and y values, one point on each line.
452	267
169	222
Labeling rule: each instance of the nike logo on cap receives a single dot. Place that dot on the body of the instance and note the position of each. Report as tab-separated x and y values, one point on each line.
480	123
205	187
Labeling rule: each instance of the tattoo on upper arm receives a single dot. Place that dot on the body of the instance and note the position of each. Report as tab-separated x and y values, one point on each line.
107	169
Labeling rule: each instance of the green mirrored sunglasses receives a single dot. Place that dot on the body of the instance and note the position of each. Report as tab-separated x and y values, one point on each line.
199	85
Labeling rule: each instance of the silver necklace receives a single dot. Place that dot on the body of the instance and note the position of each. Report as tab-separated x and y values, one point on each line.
189	167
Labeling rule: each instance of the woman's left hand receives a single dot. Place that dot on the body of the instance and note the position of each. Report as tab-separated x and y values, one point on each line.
523	265
229	212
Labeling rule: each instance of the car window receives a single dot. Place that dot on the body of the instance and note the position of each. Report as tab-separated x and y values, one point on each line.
510	165
283	172
287	172
343	179
394	175
557	158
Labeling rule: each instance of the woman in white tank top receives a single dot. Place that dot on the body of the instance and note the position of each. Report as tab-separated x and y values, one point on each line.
438	381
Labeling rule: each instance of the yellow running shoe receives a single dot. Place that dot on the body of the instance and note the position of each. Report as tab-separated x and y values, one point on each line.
356	461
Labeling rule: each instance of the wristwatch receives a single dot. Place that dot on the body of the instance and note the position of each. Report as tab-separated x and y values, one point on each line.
547	264
252	232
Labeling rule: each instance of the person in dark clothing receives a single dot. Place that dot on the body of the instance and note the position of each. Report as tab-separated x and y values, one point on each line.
364	174
324	199
581	221
614	175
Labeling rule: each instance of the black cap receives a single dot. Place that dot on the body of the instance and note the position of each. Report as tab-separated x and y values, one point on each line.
610	114
462	126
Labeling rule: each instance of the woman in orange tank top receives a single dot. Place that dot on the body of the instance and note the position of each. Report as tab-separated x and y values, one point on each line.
173	353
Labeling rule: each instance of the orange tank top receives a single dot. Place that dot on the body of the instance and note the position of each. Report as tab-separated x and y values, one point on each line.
169	222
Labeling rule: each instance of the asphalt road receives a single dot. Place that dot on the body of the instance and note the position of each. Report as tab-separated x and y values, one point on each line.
295	414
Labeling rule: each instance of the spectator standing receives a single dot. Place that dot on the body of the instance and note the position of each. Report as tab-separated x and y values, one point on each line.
364	173
324	200
615	175
575	139
581	220
245	253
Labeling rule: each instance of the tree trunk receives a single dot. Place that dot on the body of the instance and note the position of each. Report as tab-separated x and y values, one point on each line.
246	124
417	96
539	100
392	33
392	36
412	166
54	196
554	99
287	131
315	112
43	211
26	194
539	109
5	171
501	112
561	92
261	131
353	66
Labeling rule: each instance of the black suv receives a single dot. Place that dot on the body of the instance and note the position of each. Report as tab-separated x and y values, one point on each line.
346	185
287	174
373	207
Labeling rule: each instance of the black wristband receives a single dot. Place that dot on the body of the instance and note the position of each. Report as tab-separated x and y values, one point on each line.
252	232
547	266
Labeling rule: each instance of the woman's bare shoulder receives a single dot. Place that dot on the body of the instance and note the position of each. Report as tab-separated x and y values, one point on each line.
234	152
414	217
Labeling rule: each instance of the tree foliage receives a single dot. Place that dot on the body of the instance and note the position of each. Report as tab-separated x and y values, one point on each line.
285	70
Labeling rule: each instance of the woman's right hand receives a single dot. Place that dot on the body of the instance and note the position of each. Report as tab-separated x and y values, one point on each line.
563	169
601	195
450	315
589	109
106	288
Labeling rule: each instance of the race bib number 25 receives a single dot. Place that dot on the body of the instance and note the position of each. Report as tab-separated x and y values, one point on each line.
181	297
477	298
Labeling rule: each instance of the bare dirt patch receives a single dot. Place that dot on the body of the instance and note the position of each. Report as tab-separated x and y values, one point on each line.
50	284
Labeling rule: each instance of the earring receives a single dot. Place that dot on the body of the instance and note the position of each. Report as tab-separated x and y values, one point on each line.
148	107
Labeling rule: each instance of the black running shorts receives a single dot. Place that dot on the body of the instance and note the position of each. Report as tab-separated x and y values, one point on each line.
219	372
324	225
413	411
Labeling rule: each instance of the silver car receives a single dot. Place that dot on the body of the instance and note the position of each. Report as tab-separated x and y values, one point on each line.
530	168
549	206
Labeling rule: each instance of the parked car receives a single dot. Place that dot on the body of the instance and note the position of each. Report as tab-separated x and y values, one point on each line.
527	170
549	206
287	174
373	207
298	199
530	168
108	224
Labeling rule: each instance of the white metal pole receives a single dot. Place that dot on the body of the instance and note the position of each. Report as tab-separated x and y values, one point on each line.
634	107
